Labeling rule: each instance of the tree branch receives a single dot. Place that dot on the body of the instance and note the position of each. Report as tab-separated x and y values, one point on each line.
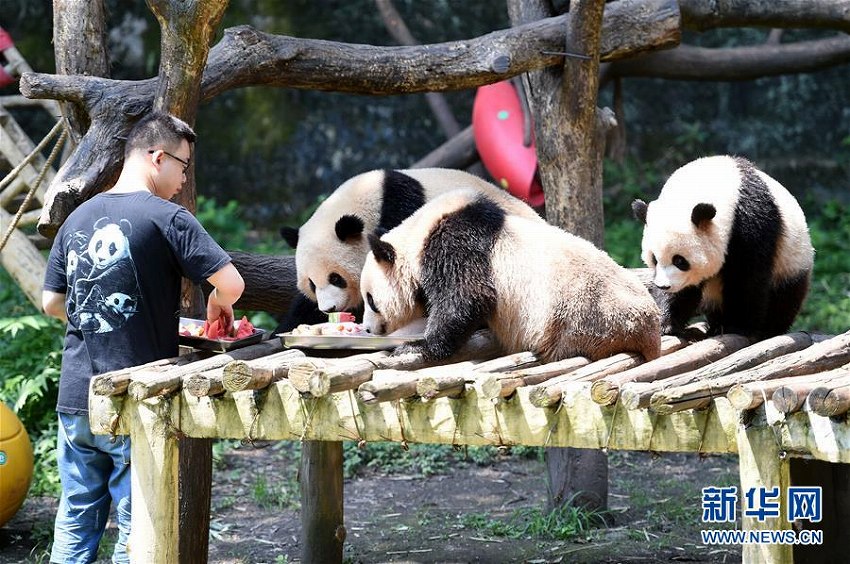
737	63
397	28
246	57
708	14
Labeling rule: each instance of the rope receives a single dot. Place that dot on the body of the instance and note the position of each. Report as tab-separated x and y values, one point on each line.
53	154
15	171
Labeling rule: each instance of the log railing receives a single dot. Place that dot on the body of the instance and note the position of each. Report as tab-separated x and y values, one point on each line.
480	397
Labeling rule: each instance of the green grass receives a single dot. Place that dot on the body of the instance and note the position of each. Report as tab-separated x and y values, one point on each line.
282	493
563	523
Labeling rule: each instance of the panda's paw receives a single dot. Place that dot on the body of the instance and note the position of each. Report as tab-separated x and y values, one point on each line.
417	348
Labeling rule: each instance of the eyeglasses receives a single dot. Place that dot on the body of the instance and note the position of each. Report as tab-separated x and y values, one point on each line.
175	157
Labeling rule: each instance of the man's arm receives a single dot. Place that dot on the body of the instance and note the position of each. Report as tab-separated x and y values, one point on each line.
227	288
53	305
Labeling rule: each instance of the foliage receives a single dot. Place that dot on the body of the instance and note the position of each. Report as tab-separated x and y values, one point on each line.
566	522
30	356
827	307
280	494
423	459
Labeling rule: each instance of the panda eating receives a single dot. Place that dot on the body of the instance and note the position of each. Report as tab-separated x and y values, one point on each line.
462	260
330	248
727	240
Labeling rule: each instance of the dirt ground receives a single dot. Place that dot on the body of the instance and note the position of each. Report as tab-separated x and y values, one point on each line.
654	513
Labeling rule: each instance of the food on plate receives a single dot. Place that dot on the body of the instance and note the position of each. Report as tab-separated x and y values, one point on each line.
346	328
191	329
340	317
216	331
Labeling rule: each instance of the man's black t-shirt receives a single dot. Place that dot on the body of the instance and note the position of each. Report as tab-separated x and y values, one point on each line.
119	259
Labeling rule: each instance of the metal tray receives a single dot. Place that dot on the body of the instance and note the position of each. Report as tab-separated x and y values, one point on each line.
218	345
370	342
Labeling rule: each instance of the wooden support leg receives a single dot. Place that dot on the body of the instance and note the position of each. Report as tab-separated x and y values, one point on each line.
761	466
153	467
834	478
322	529
195	484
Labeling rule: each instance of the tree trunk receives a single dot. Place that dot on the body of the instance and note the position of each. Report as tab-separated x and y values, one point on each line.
570	141
187	29
79	45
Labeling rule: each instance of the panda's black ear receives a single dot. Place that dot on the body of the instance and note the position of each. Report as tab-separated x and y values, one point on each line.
348	227
290	235
380	231
383	251
702	214
639	210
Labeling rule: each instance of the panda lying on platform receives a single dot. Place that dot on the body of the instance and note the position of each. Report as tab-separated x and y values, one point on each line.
331	246
727	240
462	260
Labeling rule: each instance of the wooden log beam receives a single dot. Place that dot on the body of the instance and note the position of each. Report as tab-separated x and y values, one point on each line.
750	395
205	384
320	377
443	381
606	390
549	392
115	383
259	373
387	385
149	383
832	398
639	394
495	385
819	357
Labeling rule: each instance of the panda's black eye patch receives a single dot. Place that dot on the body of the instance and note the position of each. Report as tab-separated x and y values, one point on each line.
312	286
652	259
335	279
371	302
681	263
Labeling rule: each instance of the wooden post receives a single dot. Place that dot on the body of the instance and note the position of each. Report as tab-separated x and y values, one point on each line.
154	522
834	478
194	490
762	464
322	528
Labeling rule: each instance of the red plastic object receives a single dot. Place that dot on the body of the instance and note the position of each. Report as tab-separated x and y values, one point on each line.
5	78
5	40
497	124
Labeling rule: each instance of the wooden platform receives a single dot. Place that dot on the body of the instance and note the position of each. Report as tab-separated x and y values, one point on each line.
267	393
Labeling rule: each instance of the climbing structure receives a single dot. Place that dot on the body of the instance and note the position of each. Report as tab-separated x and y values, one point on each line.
26	175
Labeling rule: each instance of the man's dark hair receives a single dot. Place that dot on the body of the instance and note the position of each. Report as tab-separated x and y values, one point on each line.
158	130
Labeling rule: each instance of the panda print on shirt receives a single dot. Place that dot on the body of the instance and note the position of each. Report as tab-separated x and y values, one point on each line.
102	275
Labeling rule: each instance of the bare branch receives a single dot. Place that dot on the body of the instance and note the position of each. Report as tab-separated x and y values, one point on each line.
737	63
397	28
709	14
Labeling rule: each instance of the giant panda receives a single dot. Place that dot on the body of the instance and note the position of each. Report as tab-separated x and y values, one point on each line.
462	260
331	246
727	240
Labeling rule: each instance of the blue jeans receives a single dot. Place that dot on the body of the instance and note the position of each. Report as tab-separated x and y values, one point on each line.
94	470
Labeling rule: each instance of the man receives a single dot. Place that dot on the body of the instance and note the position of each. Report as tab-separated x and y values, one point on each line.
114	274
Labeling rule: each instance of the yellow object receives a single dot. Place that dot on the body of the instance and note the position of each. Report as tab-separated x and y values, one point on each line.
15	463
